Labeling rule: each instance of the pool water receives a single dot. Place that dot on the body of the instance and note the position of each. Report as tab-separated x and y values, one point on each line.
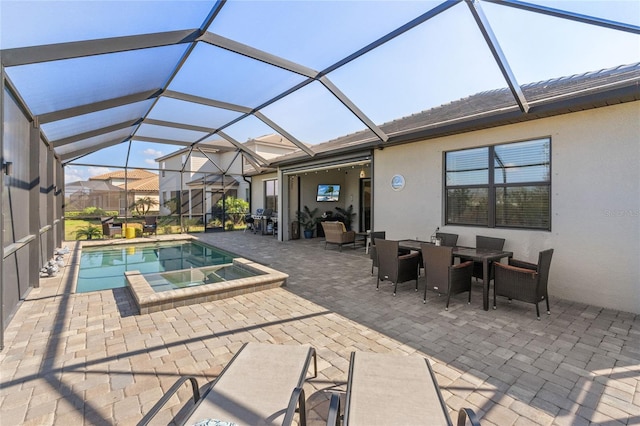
103	268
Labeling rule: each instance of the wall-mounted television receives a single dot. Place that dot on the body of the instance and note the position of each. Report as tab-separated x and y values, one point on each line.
328	192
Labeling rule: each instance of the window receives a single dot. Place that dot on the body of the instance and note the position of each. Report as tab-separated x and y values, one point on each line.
500	186
271	195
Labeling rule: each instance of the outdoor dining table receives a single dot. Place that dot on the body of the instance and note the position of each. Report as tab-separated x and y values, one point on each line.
486	256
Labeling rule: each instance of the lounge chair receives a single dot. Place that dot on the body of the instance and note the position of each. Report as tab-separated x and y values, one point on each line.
336	233
387	389
261	385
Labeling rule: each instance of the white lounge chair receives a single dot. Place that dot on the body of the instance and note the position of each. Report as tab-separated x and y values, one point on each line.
261	385
386	389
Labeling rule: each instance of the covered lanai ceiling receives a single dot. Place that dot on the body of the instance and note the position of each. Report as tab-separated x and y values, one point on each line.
111	82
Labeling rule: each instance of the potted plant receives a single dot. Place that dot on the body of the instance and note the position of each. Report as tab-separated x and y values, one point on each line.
89	232
308	220
347	216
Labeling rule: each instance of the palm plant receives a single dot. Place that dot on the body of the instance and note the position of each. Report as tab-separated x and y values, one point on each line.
88	232
143	205
347	215
307	218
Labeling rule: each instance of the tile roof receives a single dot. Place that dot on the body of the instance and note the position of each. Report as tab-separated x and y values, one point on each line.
120	174
90	186
150	184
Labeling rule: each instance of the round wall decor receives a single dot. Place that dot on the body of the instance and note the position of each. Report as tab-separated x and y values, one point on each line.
397	182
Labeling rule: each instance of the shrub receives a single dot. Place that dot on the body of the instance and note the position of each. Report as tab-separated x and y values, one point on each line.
89	232
94	211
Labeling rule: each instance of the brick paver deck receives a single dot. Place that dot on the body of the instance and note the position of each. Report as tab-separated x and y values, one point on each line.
72	359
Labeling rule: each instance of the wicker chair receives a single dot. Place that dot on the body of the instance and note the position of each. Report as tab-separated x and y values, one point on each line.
486	243
373	253
448	240
150	225
395	267
524	281
109	229
442	275
335	233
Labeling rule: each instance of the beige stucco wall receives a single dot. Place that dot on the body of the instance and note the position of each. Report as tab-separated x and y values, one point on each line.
257	190
595	201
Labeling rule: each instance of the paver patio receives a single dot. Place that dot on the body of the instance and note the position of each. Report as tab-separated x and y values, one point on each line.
76	359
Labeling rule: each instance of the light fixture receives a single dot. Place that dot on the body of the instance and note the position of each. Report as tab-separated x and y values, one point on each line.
362	174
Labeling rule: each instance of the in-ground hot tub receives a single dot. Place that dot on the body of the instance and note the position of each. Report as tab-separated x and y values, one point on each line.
153	293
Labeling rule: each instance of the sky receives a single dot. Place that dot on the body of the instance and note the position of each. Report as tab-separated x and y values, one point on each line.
441	60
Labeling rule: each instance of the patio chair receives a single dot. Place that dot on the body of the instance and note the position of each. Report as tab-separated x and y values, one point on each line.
109	228
150	225
387	389
524	281
336	233
442	275
486	243
261	385
395	267
448	240
373	254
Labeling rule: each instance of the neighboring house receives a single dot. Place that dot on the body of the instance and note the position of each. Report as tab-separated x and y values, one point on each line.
210	173
268	147
101	194
192	181
138	184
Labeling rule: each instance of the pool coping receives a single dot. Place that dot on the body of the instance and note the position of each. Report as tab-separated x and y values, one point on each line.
148	301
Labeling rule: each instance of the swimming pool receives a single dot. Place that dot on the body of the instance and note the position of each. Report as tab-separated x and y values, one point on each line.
103	267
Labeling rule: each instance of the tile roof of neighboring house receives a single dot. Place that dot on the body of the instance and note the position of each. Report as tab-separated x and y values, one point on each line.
120	174
495	108
90	186
150	184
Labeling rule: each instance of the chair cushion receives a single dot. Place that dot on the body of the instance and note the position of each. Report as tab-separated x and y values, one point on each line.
257	385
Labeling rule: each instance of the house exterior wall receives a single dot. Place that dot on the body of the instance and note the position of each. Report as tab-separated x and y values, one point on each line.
200	163
257	190
168	181
140	195
595	160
